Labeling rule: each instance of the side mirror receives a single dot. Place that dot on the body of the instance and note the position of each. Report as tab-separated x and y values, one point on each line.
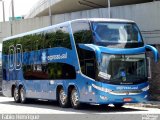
154	51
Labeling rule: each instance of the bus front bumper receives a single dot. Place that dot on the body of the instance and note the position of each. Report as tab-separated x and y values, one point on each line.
118	99
107	96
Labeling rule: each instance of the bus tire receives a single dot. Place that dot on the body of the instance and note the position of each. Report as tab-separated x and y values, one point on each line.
23	98
120	105
63	99
16	95
74	97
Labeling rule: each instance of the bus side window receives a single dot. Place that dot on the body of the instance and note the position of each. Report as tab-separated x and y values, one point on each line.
82	32
58	71
27	43
87	62
51	71
50	38
40	38
63	37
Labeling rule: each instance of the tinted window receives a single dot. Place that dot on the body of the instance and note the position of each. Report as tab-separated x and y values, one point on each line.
82	32
58	37
87	62
49	71
116	32
50	38
63	37
7	44
5	47
37	41
27	43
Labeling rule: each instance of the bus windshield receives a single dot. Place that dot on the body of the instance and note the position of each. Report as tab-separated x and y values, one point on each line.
123	69
116	32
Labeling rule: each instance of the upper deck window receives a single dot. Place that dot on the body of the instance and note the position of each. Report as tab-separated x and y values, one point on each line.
82	32
116	32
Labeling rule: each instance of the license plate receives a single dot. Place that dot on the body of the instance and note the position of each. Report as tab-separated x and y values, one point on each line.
127	99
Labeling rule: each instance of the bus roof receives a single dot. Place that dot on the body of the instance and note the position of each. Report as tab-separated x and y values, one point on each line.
84	19
103	20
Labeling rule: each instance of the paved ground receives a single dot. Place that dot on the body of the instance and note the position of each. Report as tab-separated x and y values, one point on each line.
8	106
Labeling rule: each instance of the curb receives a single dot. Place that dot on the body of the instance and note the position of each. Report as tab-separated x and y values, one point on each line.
152	104
149	104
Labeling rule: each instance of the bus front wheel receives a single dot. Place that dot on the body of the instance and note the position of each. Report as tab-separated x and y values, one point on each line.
75	99
16	95
23	98
63	99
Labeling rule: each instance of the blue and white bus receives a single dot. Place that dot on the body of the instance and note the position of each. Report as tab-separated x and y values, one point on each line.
94	61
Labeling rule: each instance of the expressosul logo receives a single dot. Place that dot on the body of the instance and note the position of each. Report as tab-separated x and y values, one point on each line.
44	57
127	88
57	57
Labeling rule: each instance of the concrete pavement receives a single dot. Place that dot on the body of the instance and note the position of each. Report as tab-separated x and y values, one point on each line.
8	106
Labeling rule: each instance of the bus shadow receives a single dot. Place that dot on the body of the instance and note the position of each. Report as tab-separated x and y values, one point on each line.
110	109
52	105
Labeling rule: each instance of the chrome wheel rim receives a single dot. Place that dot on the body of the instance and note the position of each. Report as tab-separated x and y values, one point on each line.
75	98
22	94
63	97
16	96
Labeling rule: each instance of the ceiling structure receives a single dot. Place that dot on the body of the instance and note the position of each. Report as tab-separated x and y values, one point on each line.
65	6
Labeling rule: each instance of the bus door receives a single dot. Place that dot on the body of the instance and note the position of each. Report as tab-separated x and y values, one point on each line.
90	68
90	71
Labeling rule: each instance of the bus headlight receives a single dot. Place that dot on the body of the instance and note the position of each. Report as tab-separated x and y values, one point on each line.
101	88
145	88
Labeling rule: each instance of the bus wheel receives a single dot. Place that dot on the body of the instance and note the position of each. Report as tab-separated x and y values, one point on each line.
16	95
118	105
75	99
23	98
63	99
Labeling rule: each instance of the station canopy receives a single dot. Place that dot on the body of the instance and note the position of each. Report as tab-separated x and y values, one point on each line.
65	6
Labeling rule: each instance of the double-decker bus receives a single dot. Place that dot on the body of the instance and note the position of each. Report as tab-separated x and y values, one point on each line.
94	61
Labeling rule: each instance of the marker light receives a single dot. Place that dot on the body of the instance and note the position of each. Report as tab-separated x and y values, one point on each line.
103	97
145	88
